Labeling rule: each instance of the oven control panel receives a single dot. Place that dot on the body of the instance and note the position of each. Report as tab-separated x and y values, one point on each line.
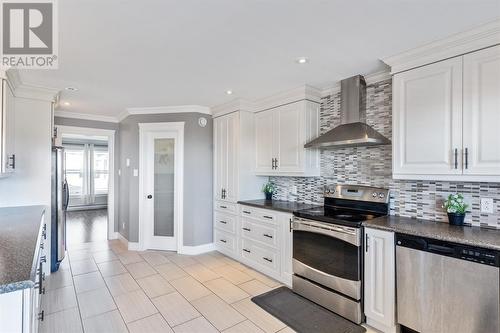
357	192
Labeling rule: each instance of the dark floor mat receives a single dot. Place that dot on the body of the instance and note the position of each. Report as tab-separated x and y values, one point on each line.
303	315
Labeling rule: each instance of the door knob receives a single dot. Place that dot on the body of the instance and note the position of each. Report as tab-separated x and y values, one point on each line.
149	196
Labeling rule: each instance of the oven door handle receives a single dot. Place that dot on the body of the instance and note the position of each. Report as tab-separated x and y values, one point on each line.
347	235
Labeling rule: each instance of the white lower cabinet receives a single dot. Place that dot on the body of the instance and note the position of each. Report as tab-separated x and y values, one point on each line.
380	280
259	238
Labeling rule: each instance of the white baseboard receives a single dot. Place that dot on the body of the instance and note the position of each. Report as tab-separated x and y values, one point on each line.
131	246
198	249
134	246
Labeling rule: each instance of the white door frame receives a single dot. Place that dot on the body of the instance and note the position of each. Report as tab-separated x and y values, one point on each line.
110	134
144	129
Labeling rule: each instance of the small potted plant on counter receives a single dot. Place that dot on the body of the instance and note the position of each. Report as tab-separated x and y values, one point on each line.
268	190
455	207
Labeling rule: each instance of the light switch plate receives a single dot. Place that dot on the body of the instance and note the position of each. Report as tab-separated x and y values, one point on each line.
127	162
136	172
487	205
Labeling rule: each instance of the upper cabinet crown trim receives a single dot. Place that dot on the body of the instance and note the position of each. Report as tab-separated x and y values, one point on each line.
455	45
23	90
170	109
304	92
237	104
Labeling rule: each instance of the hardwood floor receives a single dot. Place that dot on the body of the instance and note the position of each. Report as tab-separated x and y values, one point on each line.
86	226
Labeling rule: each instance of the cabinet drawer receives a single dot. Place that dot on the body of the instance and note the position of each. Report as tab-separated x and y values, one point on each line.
226	207
225	241
264	215
266	257
225	222
259	232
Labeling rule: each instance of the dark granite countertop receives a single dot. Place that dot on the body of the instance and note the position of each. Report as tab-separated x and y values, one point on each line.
19	246
474	236
278	205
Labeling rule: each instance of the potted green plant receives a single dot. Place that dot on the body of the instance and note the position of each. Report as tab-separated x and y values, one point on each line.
456	208
268	190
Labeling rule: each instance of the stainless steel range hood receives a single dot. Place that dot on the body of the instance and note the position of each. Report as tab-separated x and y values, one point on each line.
353	132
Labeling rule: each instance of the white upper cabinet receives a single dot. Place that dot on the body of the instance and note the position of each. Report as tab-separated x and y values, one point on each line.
264	131
225	157
481	139
234	151
281	133
427	119
446	117
7	127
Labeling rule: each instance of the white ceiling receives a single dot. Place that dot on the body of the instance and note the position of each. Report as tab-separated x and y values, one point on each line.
126	53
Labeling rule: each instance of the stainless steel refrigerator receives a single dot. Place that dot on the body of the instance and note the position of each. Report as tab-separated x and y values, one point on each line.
60	199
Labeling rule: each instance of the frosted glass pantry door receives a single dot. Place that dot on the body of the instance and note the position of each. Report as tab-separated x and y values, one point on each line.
161	217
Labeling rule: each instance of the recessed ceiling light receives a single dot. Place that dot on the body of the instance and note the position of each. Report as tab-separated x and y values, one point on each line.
229	92
302	60
71	89
67	103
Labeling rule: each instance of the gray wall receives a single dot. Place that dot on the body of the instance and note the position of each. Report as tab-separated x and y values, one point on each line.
100	125
198	149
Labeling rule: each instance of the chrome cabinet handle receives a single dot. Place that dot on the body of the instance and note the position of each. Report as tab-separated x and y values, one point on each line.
268	236
225	207
41	315
456	158
366	243
276	163
267	217
223	222
248	251
267	259
272	163
223	240
291	223
246	229
246	212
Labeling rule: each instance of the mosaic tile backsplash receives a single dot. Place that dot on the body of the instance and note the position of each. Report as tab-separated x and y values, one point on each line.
373	166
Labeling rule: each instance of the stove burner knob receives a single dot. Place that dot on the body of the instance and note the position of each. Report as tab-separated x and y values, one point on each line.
374	194
381	195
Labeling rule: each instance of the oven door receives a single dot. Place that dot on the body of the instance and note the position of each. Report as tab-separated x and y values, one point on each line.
329	255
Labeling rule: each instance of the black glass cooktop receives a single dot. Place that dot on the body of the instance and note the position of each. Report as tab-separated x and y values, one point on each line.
335	215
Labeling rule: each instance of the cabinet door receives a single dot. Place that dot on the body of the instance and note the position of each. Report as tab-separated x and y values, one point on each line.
482	112
380	296
427	120
220	165
289	127
9	128
264	130
231	185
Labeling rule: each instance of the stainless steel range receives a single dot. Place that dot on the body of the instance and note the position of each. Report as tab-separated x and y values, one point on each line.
328	247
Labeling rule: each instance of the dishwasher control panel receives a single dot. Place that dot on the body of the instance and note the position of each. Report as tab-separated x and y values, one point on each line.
454	250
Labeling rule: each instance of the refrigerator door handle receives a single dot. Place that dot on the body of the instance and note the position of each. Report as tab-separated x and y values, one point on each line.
66	194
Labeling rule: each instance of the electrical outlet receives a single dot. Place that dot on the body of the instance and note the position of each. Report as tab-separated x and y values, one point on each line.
487	205
127	162
136	173
123	225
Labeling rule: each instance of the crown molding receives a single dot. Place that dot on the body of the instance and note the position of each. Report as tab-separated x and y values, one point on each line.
170	109
304	92
369	79
474	39
234	105
23	90
86	116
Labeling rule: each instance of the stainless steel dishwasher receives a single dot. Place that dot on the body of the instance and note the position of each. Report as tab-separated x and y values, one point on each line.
446	287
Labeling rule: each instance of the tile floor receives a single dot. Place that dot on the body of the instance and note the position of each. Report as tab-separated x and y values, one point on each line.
102	287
